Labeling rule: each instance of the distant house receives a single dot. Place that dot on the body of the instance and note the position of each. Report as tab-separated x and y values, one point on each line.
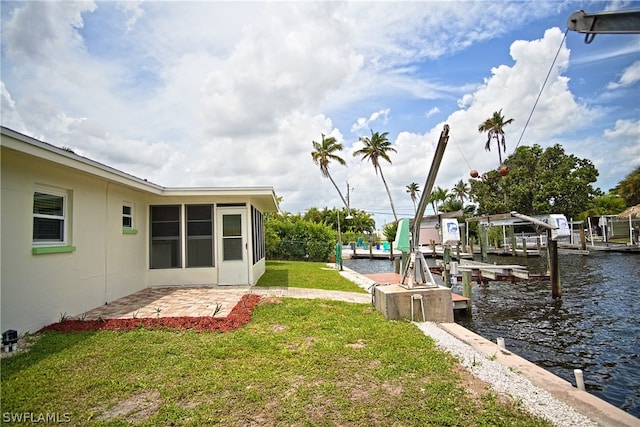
77	234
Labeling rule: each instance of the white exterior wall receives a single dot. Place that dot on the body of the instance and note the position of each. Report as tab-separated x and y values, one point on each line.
38	289
107	264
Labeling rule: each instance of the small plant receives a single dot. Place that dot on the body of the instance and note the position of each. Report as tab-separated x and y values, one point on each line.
83	316
493	357
217	309
100	318
158	310
134	315
63	317
474	363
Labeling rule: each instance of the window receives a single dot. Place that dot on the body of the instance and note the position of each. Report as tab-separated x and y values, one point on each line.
49	217
258	235
165	237
199	235
127	219
127	216
232	237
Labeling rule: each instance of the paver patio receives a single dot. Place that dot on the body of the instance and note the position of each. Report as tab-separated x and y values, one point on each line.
201	301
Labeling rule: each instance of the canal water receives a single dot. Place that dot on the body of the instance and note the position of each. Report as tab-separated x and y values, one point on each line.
594	326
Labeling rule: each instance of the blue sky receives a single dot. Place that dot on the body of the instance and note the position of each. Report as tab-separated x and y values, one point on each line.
232	93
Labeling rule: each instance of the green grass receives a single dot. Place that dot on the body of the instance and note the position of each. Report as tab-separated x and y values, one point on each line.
297	363
298	274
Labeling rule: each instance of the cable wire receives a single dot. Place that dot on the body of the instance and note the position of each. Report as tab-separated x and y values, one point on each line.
542	88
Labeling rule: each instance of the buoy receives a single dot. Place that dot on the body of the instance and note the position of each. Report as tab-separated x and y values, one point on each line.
473	173
504	171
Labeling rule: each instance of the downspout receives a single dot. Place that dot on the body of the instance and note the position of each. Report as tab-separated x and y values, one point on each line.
106	240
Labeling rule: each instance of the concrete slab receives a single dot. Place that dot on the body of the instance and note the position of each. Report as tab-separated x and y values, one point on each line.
395	301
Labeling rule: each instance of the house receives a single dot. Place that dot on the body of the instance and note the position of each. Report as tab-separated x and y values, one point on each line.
77	234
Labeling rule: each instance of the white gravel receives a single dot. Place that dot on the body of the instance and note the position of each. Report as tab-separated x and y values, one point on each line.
506	382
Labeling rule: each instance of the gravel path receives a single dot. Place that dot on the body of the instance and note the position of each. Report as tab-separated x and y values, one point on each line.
504	381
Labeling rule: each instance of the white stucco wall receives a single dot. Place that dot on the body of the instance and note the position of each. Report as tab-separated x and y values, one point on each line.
37	289
107	263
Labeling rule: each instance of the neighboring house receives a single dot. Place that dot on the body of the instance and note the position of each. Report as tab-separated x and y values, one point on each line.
77	234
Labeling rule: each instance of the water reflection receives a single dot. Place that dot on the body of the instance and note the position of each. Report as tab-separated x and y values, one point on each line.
593	327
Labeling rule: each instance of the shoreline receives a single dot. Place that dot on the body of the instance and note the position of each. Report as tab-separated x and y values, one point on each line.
540	392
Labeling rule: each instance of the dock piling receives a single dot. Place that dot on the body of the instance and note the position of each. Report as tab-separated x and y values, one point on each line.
466	288
579	379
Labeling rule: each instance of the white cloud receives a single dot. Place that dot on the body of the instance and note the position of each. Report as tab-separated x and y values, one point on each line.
629	77
433	111
134	11
239	102
56	30
366	123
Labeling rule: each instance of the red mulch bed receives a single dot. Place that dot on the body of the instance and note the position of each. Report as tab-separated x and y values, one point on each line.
238	317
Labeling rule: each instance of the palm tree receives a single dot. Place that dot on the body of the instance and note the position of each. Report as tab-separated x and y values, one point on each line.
375	148
413	189
323	154
461	190
439	194
494	126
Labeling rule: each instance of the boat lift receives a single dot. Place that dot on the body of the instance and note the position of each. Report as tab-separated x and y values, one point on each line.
611	22
556	226
417	270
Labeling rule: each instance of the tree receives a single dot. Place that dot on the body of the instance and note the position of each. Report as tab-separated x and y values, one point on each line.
360	221
608	204
375	148
438	195
539	182
413	189
323	154
629	188
291	237
494	126
461	190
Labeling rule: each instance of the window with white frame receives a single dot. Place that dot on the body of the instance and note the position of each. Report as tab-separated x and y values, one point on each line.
50	221
127	215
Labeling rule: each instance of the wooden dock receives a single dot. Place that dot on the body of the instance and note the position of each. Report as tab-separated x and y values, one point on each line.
482	272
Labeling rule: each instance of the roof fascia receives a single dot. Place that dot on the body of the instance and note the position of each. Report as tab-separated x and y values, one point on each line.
42	150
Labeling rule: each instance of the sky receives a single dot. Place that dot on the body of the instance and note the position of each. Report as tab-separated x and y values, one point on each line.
232	94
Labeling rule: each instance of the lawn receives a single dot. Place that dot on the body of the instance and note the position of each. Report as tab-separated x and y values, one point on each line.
296	363
297	274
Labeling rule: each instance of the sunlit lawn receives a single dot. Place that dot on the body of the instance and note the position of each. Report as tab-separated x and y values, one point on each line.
298	362
298	274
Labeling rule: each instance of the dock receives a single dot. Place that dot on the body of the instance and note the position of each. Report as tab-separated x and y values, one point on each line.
482	272
361	253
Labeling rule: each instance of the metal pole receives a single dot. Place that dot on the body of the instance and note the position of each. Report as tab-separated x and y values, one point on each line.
554	271
428	185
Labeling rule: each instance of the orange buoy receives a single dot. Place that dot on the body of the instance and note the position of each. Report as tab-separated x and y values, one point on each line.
473	173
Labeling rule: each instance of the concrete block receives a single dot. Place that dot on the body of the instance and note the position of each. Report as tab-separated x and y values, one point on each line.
394	302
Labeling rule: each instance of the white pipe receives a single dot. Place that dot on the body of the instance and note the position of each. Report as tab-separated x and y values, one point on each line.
500	342
579	379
